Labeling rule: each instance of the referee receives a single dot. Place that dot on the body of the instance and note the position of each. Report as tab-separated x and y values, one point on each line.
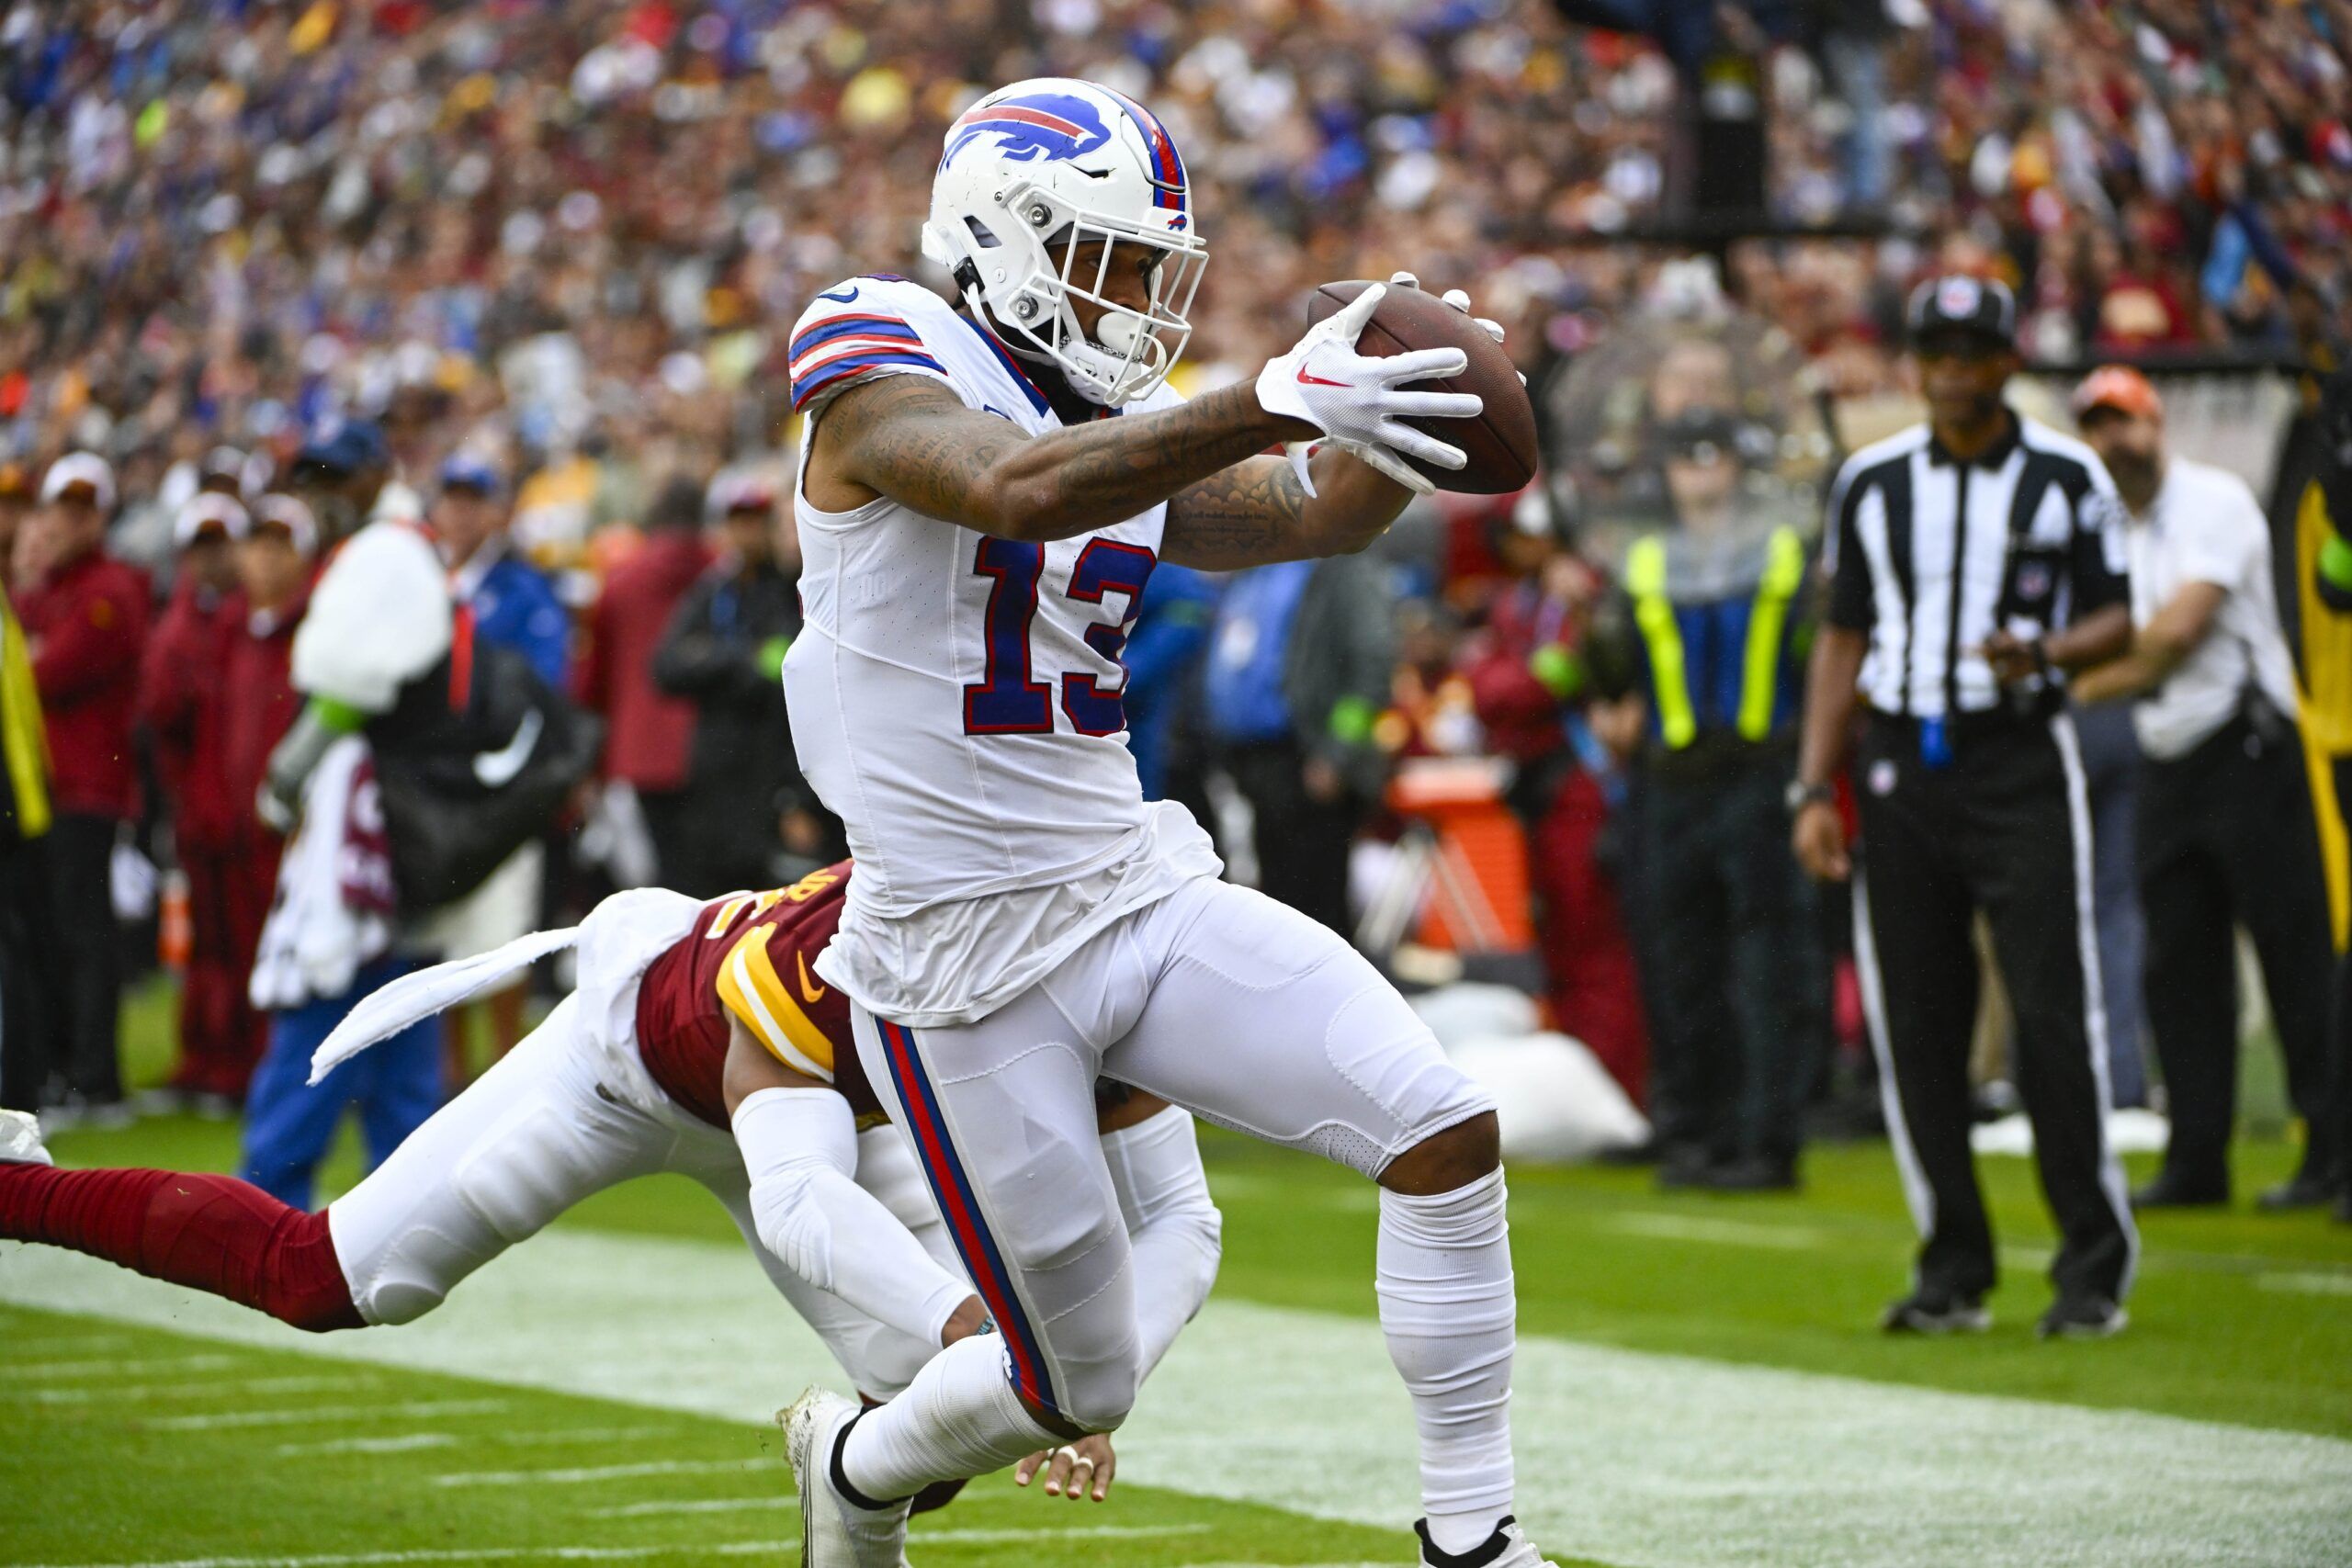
1972	560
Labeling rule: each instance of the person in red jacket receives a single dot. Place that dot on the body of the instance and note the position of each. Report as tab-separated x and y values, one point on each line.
85	616
1527	681
184	694
275	564
648	733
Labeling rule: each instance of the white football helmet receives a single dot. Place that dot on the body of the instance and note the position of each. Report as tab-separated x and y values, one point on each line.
1041	179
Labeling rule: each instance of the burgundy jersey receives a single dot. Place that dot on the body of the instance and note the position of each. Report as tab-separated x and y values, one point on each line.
751	955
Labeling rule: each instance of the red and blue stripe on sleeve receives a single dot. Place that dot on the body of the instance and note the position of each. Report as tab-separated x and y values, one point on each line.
839	348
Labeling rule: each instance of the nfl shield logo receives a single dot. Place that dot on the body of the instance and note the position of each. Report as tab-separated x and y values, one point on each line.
1960	296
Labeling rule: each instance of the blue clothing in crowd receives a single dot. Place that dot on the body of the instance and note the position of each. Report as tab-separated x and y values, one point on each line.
290	1124
513	606
1160	655
1247	654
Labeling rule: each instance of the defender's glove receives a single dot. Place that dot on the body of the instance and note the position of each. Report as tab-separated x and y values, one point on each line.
1358	400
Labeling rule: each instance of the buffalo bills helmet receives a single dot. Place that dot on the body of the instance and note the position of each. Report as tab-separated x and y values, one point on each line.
1038	183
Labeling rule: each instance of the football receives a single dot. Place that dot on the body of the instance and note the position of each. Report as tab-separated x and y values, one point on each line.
1500	442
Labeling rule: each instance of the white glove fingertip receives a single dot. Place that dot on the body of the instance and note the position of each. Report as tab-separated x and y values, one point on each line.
1458	299
1351	320
1404	279
1494	328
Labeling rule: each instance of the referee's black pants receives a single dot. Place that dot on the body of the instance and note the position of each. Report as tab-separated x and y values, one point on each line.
2227	837
2004	828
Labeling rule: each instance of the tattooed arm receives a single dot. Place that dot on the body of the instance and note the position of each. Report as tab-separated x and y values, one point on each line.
912	439
1257	511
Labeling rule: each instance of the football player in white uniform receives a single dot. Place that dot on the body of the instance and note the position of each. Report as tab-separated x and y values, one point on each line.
984	489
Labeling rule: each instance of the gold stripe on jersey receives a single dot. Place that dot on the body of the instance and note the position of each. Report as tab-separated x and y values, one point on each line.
756	993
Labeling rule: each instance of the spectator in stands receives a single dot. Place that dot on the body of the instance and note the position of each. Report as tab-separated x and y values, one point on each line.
184	697
1701	646
744	797
648	732
84	615
1528	684
2227	834
512	605
1299	662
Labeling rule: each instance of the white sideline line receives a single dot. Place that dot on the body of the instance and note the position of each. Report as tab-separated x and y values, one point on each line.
198	1390
318	1413
575	1474
2307	1284
1730	1233
63	1371
51	1344
1625	1457
409	1444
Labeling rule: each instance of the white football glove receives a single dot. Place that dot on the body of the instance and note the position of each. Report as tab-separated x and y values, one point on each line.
1358	400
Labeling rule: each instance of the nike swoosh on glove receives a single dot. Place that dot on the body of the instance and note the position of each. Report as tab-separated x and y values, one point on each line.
1359	400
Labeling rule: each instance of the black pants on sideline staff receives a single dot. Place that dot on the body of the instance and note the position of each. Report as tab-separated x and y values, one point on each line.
87	951
2003	827
1738	993
1302	843
2227	837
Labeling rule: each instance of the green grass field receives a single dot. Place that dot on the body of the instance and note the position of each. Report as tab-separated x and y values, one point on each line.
1699	1384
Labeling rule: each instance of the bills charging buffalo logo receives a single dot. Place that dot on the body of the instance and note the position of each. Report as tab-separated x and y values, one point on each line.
1041	126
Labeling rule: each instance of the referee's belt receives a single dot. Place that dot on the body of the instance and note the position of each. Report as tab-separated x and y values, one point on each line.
2003	722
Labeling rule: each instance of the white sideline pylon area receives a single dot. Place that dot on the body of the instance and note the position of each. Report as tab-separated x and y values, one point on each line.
1628	1458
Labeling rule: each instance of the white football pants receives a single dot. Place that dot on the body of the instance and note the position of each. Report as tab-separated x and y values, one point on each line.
539	1133
1218	998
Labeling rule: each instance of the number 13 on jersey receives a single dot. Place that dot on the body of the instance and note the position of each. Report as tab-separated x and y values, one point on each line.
1012	700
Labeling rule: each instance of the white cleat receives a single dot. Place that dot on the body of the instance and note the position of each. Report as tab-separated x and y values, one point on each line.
834	1531
1507	1547
20	1140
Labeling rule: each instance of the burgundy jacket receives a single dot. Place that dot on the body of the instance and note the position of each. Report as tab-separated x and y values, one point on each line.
650	736
261	706
184	694
87	626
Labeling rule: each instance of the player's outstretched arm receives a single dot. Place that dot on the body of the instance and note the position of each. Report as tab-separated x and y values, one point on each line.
909	438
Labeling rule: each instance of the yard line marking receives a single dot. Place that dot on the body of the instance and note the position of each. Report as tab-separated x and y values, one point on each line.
457	1554
1729	1233
2307	1284
318	1413
642	1431
42	1371
569	1476
200	1390
1785	1466
696	1505
409	1444
52	1343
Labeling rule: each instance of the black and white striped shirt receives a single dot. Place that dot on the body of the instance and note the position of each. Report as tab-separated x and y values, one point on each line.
2030	533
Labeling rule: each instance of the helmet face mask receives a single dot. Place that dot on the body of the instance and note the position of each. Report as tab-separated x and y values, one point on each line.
1044	186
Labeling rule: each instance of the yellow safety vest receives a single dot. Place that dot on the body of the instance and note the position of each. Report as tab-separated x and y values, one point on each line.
1760	682
2325	676
24	743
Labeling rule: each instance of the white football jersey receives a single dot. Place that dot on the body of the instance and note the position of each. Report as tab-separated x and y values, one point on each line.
956	699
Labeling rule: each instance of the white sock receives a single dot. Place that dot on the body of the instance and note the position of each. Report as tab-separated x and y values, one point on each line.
1173	1225
958	1418
1447	1306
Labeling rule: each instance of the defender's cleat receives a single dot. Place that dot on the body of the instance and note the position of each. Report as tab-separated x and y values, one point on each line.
837	1528
1507	1547
20	1140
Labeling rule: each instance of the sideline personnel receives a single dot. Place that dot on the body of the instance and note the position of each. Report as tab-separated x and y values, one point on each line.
2226	834
1971	560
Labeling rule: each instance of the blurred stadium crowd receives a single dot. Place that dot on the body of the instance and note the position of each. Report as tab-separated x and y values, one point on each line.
522	269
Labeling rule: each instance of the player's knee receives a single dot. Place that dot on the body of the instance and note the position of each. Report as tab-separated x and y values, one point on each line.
1100	1397
1444	1161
